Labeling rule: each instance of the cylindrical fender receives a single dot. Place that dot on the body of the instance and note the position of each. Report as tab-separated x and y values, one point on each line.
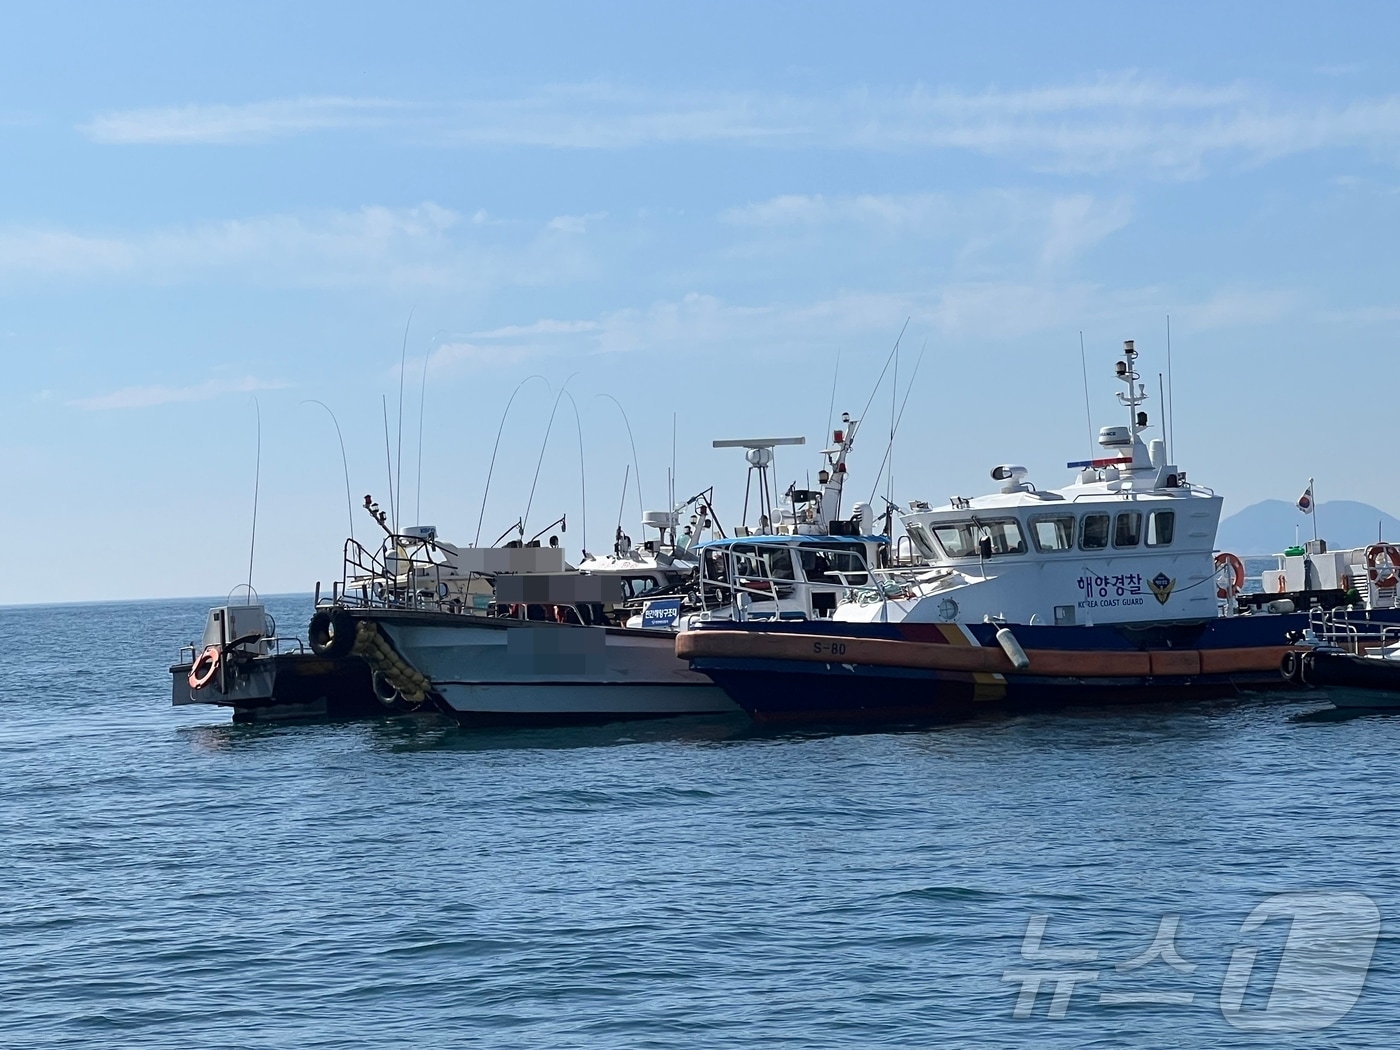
384	689
1012	648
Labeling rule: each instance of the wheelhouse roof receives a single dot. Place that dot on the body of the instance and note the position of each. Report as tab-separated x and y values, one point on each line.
795	541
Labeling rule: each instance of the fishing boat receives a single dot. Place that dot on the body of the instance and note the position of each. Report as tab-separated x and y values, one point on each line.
508	634
1356	662
797	563
657	573
515	634
243	664
1107	590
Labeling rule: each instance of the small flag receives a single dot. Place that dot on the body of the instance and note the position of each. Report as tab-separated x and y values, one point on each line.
1305	501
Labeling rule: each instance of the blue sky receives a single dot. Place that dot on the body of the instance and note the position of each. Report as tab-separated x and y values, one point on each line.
691	210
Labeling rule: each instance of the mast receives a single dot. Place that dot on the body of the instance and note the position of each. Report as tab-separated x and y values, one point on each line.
833	478
1136	394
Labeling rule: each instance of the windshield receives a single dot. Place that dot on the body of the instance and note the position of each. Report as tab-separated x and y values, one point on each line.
832	565
960	539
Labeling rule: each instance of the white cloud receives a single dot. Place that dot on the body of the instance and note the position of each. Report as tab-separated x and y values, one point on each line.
1238	307
1115	121
544	326
1079	222
458	356
151	396
574	224
1033	225
1364	315
238	124
798	210
374	246
699	328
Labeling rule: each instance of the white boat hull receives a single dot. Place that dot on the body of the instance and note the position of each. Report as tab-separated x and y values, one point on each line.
498	669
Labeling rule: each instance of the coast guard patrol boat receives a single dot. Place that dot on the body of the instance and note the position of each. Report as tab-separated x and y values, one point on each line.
1104	591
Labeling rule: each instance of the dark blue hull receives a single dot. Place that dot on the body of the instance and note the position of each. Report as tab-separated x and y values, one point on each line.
1233	655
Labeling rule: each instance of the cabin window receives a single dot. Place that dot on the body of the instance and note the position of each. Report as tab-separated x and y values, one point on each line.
1161	524
762	563
1127	529
715	566
958	539
1005	536
961	539
1053	534
779	563
636	586
1093	532
831	565
920	539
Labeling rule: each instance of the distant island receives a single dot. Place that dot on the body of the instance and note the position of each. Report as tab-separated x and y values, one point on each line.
1269	527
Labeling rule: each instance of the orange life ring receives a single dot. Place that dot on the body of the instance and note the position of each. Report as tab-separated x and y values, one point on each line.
1236	575
1383	577
202	671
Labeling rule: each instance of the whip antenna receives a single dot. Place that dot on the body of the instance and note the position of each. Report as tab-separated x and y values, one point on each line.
403	358
831	405
627	473
543	446
349	508
898	419
866	411
257	479
1088	416
494	448
1171	392
389	461
418	485
582	476
626	422
894	389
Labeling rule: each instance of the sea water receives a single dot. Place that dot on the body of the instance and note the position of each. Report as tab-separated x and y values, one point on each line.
1212	875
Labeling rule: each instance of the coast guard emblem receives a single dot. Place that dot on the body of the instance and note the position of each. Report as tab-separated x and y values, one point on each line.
1161	587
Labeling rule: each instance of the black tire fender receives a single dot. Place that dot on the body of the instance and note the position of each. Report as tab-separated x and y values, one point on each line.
1288	666
331	632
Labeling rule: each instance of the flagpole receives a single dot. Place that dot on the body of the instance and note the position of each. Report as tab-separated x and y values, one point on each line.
1313	493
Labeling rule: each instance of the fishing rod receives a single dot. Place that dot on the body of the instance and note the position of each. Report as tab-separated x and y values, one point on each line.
543	446
345	466
494	448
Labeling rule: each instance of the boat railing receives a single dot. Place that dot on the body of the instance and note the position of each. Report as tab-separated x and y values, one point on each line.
904	553
401	574
756	581
271	645
1354	636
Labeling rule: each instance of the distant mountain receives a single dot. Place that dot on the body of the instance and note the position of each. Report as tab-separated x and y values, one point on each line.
1268	527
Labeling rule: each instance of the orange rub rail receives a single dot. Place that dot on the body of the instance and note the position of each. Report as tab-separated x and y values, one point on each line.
885	652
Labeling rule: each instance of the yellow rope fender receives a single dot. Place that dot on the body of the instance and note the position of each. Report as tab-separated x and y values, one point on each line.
376	651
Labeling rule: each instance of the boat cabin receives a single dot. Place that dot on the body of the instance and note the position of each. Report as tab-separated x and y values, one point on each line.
1128	540
784	576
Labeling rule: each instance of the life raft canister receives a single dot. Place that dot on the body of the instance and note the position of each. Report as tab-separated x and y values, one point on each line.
202	671
1387	574
1236	583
